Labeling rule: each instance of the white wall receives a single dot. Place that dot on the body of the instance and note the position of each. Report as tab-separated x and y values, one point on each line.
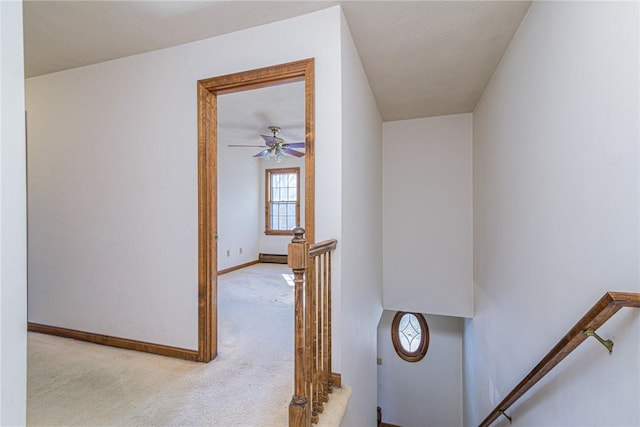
427	392
13	250
556	210
113	178
238	205
360	247
427	211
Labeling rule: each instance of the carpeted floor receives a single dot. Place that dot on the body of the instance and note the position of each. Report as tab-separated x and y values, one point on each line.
72	383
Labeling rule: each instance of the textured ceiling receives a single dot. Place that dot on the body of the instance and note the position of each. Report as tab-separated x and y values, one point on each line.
429	58
66	34
243	116
422	58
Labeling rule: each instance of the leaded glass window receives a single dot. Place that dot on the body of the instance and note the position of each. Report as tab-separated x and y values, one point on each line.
410	336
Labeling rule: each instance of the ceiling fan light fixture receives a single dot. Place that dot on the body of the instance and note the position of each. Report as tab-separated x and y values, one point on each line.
278	155
276	148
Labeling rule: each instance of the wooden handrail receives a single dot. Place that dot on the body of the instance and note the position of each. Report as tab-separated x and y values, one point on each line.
316	249
602	310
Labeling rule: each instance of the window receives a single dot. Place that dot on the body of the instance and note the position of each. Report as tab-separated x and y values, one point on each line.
282	204
410	336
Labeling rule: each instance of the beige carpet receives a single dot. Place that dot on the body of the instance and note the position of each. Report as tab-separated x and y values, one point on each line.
72	383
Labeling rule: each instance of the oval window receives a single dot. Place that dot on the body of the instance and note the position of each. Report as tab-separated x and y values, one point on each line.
410	335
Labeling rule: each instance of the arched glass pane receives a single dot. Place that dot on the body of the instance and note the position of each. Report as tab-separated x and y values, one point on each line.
409	332
410	335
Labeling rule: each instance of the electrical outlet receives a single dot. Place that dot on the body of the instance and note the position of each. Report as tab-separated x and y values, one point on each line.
240	251
379	361
228	252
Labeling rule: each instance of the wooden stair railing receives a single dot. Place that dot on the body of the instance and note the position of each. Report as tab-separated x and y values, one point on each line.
602	310
313	379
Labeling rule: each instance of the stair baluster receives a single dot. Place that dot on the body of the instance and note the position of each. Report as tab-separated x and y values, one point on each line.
313	382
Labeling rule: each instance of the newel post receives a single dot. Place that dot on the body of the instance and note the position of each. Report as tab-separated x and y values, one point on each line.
297	259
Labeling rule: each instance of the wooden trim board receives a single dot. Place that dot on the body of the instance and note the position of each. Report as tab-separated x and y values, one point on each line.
238	267
336	379
208	91
163	350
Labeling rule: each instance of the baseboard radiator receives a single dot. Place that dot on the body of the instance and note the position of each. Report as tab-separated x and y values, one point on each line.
313	378
272	258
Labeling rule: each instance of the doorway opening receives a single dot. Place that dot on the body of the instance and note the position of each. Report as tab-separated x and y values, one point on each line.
208	91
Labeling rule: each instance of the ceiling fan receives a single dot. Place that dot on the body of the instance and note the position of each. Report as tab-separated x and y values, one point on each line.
275	147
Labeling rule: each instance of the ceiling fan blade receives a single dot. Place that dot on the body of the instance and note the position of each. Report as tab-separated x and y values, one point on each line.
270	140
263	153
295	145
242	145
291	152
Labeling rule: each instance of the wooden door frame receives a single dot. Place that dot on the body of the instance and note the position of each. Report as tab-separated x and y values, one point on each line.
208	91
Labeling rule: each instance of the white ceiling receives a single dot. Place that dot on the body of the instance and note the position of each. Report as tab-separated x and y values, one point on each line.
243	116
422	58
